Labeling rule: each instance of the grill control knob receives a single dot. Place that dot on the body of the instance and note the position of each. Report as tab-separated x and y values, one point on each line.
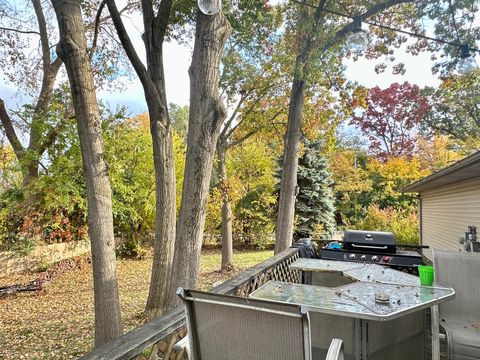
363	257
351	256
374	258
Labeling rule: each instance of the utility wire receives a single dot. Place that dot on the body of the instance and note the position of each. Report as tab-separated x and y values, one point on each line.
420	36
450	7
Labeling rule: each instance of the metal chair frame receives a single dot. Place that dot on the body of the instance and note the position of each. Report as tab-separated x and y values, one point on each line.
461	294
335	351
189	298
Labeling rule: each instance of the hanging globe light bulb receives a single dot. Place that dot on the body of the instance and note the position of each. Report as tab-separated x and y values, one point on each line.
209	7
466	64
357	41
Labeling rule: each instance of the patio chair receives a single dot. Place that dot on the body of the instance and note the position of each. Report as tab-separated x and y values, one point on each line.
460	317
223	327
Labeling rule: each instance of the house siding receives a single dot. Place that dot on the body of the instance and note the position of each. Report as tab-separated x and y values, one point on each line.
446	212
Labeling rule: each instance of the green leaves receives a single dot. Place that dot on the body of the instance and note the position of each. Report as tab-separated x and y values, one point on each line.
455	107
314	206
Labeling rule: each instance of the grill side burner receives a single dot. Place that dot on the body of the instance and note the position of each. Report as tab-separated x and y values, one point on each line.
371	247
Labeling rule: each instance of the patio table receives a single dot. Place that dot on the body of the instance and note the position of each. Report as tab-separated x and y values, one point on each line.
357	300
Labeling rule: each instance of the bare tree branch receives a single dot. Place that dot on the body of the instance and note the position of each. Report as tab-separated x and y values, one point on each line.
254	131
127	44
10	132
232	117
42	27
20	31
97	26
248	111
104	19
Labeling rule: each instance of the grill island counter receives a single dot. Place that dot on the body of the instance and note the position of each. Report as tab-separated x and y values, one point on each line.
378	311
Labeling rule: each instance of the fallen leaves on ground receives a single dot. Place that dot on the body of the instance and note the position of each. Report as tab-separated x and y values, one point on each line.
57	323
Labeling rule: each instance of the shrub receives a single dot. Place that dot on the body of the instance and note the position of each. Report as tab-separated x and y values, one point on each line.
404	224
42	213
131	248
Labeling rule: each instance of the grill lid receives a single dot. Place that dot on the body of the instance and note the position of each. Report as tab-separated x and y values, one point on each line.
360	240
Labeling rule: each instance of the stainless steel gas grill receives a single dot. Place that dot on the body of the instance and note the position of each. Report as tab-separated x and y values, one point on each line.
370	247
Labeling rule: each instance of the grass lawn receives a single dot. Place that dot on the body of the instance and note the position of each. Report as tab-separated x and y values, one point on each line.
58	323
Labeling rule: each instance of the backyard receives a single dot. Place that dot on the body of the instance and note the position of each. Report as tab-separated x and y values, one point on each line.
57	323
155	130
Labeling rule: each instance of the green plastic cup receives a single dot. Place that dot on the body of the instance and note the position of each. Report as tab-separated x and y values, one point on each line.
426	274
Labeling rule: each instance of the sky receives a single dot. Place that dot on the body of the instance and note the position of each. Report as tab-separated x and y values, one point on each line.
178	57
177	60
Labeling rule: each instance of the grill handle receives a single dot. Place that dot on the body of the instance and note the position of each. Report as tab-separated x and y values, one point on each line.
370	247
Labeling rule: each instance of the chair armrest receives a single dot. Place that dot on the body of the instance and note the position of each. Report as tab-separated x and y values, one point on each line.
182	345
335	351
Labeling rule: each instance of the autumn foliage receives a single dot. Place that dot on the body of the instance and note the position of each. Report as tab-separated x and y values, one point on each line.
390	119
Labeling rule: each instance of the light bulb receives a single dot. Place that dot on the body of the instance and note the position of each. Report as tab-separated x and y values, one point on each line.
209	7
467	65
357	41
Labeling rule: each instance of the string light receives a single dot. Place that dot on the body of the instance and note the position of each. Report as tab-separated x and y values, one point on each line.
466	62
209	7
357	41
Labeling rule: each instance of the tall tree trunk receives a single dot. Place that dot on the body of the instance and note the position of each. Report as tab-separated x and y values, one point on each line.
227	237
72	48
165	192
288	184
153	82
286	208
206	116
165	187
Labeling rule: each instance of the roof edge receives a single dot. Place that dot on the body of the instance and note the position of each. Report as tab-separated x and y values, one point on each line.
459	165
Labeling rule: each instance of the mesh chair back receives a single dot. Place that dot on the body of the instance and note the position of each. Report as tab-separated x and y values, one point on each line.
461	271
223	327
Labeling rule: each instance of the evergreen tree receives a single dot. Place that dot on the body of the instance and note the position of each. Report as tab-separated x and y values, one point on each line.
314	206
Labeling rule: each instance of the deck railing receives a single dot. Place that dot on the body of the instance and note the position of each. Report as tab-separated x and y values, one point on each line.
156	339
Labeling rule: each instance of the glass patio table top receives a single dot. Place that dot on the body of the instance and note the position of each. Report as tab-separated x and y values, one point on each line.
357	271
306	264
359	299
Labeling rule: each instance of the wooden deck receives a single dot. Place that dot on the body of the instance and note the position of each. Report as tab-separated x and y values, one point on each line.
157	338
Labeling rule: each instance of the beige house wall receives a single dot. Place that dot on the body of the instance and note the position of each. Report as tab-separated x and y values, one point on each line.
446	213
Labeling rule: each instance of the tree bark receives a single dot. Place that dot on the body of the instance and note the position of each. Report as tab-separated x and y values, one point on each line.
207	113
153	81
162	137
288	184
72	48
164	218
227	236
